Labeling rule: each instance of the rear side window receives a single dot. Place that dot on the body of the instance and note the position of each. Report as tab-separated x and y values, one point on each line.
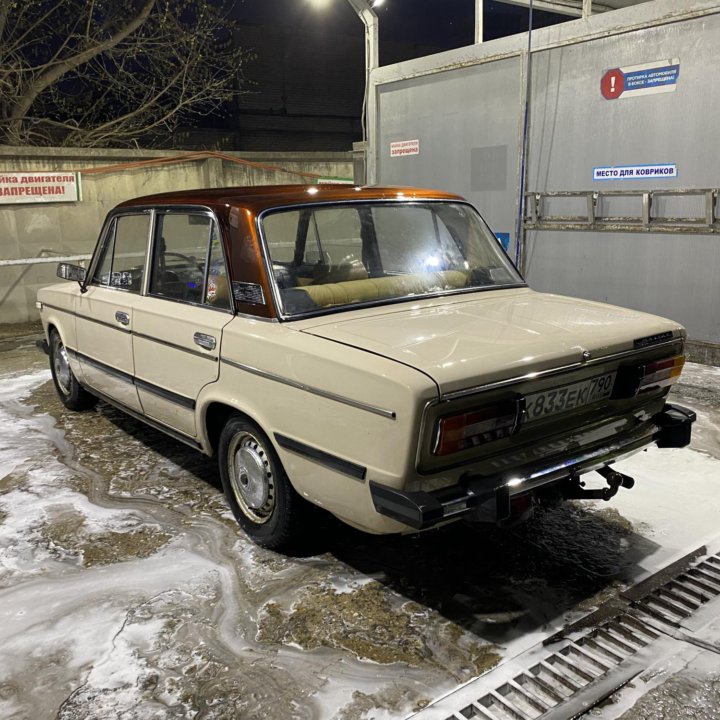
122	259
187	263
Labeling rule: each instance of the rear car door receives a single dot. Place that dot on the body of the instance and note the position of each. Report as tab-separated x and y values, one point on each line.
104	313
177	326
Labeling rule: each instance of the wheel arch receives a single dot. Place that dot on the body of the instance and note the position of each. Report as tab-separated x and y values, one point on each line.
215	415
50	326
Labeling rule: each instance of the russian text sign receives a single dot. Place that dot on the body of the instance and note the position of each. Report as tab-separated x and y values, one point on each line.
335	181
647	79
635	172
405	147
39	187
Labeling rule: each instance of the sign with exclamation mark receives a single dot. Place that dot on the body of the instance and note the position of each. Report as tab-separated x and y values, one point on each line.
647	79
612	84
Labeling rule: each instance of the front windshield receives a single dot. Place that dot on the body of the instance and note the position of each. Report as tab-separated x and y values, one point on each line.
330	256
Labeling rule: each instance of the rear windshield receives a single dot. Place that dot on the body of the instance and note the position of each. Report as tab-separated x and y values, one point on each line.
330	256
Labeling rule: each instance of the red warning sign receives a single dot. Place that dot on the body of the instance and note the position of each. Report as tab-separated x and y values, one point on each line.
612	84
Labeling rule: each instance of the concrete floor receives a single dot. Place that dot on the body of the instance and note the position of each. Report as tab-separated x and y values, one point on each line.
126	589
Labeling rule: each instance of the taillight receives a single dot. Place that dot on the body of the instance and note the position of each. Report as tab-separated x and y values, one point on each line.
661	373
476	427
634	379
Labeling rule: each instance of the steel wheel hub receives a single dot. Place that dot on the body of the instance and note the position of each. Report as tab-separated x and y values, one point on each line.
252	478
62	368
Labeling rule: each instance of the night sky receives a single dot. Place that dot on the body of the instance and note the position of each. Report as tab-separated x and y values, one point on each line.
309	110
444	24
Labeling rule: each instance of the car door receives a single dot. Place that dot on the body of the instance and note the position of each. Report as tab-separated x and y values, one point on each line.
104	313
177	326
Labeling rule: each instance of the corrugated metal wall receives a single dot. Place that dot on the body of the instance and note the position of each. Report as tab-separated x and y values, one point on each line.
575	129
468	121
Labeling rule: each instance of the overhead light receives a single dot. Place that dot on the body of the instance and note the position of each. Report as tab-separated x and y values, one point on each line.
377	3
320	4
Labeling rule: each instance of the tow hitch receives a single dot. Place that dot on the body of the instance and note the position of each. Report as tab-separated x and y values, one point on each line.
575	487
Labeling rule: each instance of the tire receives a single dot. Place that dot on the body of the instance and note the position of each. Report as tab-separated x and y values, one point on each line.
257	489
72	394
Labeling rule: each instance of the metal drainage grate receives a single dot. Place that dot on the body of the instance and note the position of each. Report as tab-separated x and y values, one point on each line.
590	667
680	598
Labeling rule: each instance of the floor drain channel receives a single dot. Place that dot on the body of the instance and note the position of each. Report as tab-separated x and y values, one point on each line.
544	685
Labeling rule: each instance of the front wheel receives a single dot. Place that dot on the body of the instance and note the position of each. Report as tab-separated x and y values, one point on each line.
72	394
256	487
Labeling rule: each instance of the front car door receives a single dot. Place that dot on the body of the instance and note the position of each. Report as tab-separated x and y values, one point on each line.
104	313
177	326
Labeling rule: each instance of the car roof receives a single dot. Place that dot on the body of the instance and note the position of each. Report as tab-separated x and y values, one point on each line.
263	197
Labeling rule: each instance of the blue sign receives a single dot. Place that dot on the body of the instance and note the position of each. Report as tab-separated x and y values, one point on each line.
504	239
651	77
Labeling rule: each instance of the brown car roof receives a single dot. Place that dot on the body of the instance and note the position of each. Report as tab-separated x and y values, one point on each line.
262	197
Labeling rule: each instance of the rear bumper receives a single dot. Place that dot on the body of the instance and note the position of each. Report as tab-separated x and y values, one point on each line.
488	496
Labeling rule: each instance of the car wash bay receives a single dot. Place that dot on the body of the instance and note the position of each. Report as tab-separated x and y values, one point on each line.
127	589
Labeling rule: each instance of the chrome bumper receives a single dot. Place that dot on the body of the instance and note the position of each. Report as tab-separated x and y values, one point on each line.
488	496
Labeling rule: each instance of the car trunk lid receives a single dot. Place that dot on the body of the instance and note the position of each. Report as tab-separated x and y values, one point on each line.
469	340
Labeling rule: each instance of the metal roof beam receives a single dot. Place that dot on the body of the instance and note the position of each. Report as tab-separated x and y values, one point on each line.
573	8
365	12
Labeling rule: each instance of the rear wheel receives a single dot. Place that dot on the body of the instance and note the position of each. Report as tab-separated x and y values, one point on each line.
256	487
72	394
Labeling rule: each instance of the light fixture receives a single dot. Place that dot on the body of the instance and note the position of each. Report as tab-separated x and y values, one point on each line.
377	3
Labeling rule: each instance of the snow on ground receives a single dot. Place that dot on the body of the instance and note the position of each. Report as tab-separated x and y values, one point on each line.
127	591
675	502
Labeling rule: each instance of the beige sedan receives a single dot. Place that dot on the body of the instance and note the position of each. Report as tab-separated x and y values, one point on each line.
371	351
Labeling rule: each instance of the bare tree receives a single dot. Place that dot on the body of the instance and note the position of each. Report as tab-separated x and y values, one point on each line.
112	72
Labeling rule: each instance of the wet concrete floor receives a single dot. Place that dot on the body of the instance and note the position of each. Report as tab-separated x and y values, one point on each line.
127	590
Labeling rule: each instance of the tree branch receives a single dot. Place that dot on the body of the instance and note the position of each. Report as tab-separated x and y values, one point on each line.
112	71
53	74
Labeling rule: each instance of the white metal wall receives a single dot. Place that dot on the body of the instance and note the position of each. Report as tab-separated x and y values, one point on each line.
465	108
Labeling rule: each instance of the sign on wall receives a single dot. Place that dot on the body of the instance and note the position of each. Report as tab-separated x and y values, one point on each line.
39	187
504	240
335	181
646	79
404	147
635	172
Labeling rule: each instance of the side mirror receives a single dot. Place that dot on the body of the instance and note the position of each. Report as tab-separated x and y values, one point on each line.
71	272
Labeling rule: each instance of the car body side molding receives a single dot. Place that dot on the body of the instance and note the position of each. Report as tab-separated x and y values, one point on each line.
357	472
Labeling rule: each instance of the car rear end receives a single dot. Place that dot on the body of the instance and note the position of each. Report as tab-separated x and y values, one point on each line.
486	453
533	389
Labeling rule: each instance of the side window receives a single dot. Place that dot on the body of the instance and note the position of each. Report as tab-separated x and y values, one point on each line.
217	291
187	263
122	261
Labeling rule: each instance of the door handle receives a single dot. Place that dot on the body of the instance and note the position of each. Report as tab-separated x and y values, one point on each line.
205	341
122	317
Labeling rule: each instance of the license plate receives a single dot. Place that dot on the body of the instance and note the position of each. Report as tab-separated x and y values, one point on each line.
568	397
